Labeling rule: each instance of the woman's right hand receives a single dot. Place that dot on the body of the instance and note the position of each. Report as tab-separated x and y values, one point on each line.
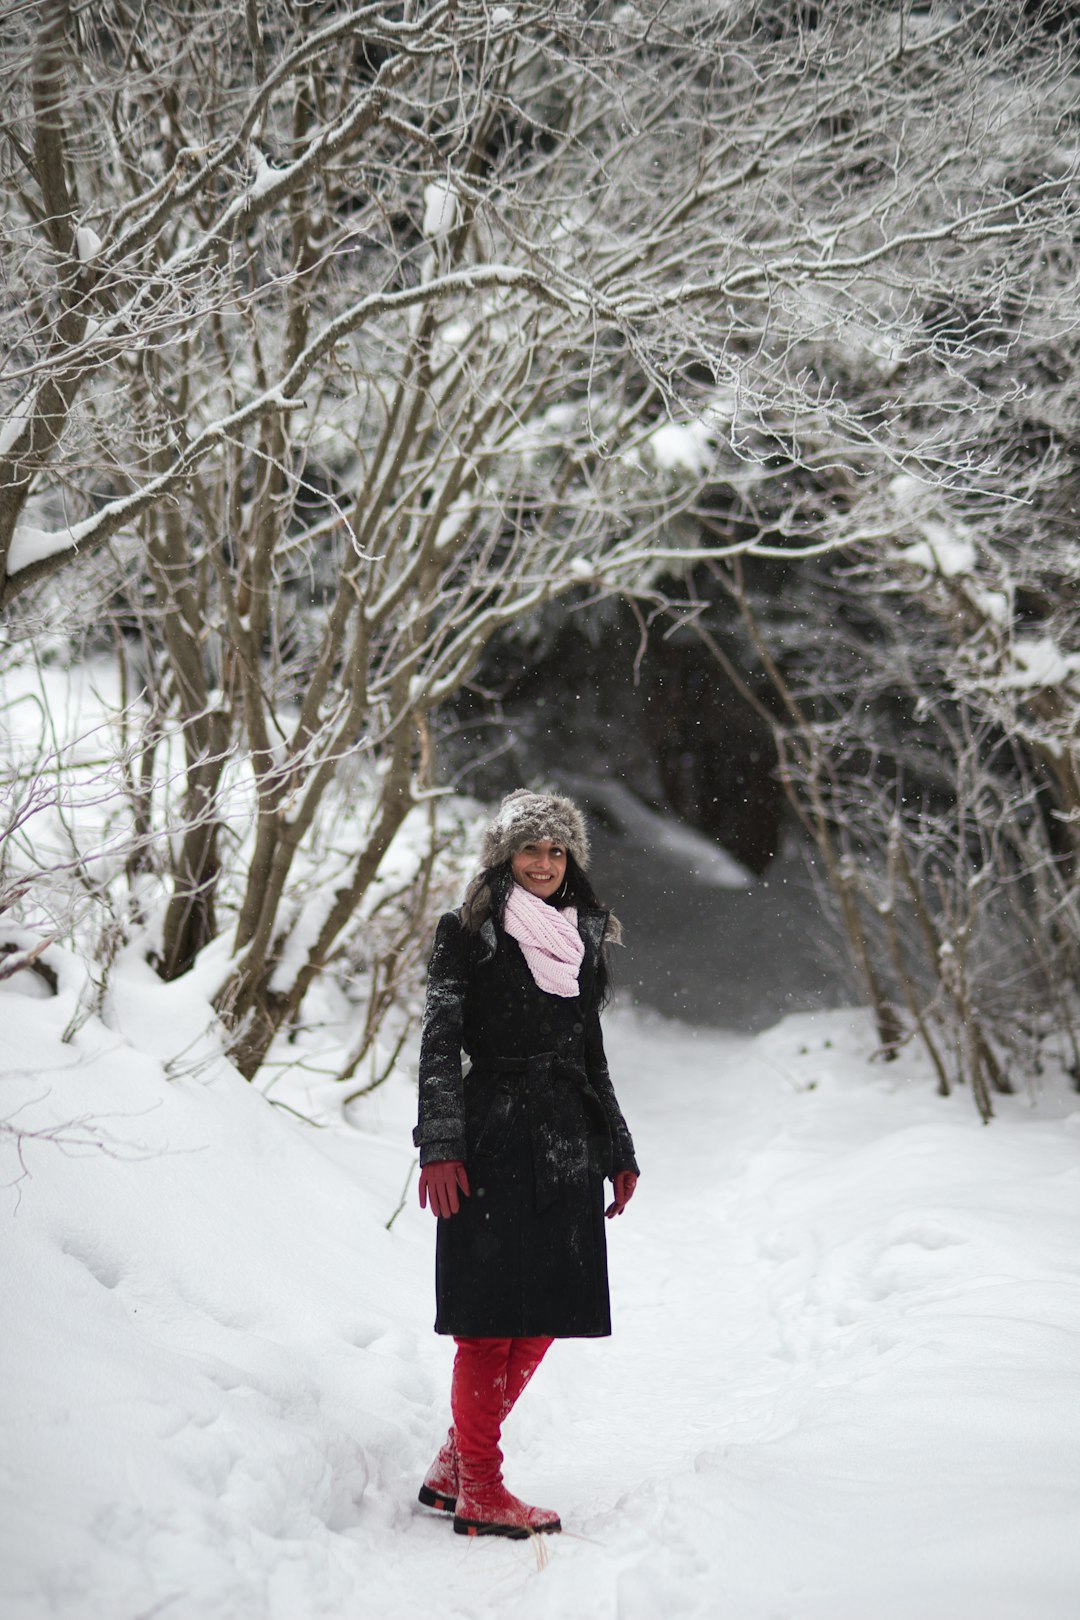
439	1184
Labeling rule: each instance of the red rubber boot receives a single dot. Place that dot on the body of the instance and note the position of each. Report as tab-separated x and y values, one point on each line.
440	1487
478	1398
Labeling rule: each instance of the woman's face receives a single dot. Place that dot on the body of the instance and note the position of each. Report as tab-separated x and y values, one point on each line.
539	867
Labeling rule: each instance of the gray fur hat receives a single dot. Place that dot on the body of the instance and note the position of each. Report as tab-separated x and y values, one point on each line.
527	818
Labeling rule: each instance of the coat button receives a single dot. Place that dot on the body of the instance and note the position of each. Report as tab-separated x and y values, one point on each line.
545	1026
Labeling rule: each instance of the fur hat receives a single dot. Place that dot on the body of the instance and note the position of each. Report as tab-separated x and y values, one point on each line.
528	818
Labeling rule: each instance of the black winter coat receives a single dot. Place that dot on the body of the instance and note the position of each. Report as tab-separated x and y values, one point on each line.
536	1121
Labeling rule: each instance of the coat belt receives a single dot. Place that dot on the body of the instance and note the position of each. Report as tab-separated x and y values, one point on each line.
554	1144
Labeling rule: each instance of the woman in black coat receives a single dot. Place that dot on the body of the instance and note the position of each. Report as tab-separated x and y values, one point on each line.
514	1152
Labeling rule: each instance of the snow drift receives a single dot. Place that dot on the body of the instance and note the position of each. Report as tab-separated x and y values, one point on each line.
843	1381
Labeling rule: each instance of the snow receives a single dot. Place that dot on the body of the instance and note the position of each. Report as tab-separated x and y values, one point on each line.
265	174
843	1381
997	606
459	513
943	550
440	209
909	493
452	335
563	417
675	447
664	836
88	243
304	931
15	423
30	544
1038	661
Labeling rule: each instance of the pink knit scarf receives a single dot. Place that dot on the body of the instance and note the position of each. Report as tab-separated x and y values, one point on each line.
549	940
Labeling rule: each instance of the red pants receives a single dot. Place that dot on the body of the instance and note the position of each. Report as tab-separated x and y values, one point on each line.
489	1375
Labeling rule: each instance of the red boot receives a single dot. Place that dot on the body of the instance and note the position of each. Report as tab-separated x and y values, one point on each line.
440	1487
524	1356
492	1510
478	1398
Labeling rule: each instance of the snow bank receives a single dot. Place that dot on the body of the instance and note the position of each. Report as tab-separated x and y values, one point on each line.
843	1383
207	1375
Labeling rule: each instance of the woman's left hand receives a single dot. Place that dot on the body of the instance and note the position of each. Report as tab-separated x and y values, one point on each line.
625	1182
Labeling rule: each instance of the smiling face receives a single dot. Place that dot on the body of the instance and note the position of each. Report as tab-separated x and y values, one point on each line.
540	867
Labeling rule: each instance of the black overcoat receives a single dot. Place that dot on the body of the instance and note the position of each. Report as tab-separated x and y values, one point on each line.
536	1121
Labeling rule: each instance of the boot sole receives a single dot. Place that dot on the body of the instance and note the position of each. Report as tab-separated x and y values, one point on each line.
515	1532
431	1499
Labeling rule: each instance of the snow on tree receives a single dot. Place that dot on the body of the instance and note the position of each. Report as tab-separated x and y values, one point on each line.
338	338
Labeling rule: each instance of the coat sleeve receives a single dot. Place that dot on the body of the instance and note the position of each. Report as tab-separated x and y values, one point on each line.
440	1133
596	1067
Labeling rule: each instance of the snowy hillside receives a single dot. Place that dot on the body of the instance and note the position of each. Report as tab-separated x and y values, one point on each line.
843	1383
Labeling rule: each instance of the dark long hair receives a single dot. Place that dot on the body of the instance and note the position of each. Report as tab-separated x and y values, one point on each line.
489	891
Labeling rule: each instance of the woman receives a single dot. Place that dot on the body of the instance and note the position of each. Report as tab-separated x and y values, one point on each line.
513	1155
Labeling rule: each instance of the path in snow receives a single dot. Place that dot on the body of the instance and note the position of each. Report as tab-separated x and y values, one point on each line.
843	1382
731	956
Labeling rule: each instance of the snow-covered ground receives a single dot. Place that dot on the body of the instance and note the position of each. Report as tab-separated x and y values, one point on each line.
844	1382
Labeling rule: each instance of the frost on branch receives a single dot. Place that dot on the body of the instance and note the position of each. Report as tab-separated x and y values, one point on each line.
410	326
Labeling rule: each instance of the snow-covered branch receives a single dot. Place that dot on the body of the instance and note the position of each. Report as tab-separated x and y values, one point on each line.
334	347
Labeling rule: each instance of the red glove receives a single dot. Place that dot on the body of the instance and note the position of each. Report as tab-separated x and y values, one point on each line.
625	1182
439	1183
